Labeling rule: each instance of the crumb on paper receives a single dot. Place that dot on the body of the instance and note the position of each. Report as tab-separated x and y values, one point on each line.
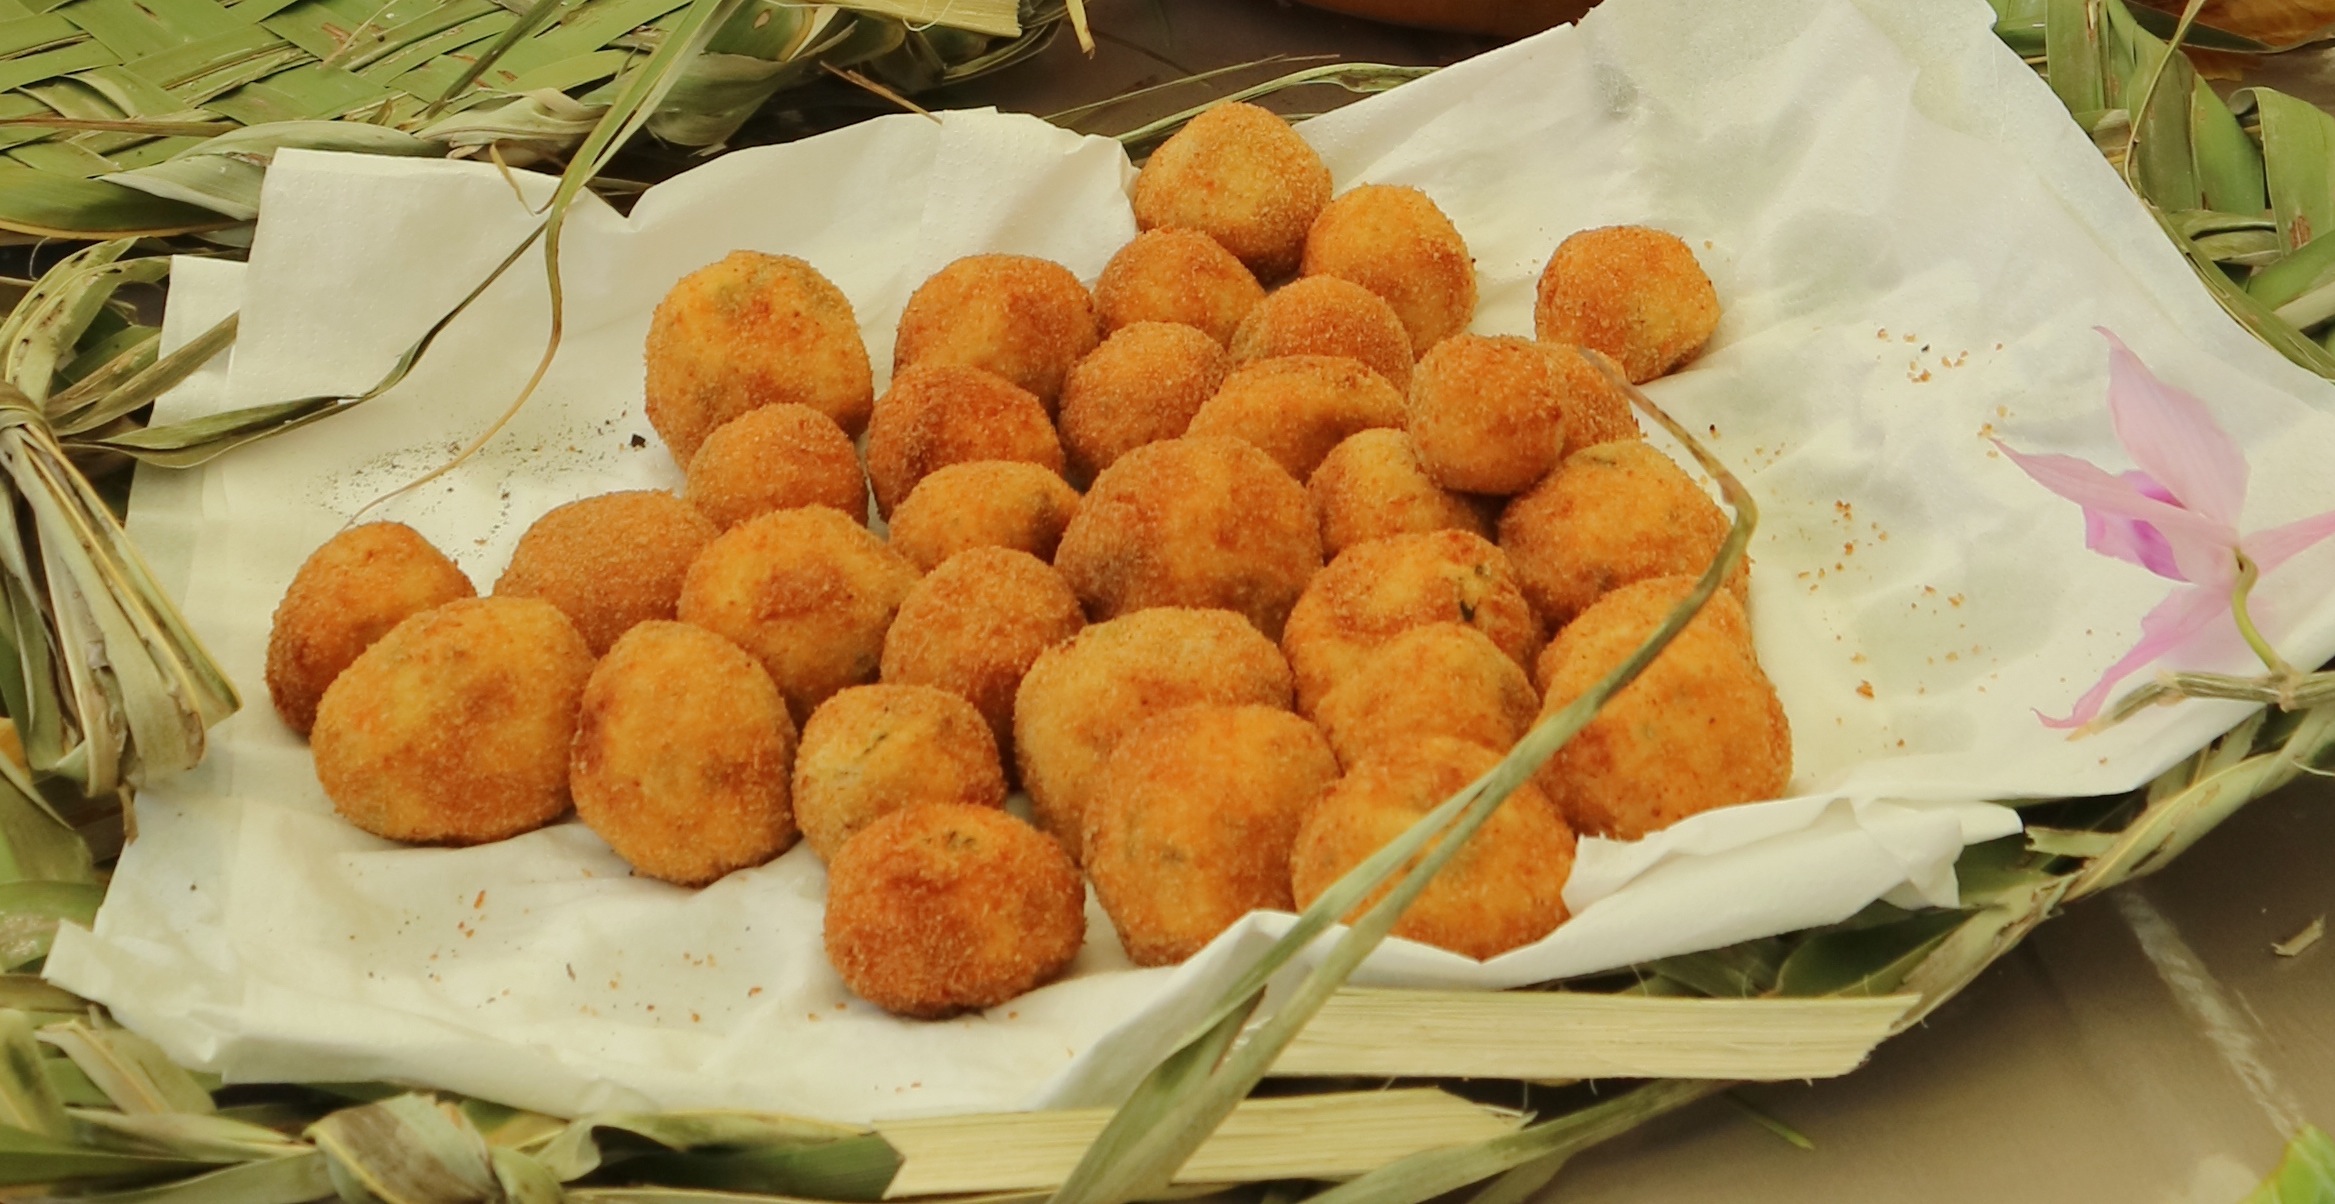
2311	934
1865	689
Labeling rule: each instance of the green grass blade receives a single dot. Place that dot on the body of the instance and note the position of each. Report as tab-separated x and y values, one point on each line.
298	1179
1865	961
186	444
133	1072
531	19
2071	42
1360	78
29	1106
2228	164
102	398
2298	151
576	1151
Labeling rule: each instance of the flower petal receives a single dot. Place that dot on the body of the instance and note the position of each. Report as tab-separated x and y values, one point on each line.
2182	614
2198	546
2130	539
2280	544
2172	435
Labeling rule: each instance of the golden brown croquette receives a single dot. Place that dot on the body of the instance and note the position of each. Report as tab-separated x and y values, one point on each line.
1297	407
1026	320
872	750
974	625
1612	514
1176	275
348	593
807	592
750	331
1487	414
1323	315
776	458
610	561
1191	827
983	504
935	415
454	728
1082	696
1239	174
1595	411
681	754
1141	386
1633	293
1442	679
1503	890
1372	486
944	908
1395	242
1206	522
1700	728
1375	591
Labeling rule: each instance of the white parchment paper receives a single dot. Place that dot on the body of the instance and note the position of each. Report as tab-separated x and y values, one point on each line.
1912	243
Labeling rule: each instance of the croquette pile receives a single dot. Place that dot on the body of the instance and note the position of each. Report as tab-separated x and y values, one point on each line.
1237	564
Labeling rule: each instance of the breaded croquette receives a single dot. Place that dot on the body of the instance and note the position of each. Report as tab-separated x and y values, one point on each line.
1026	320
1372	486
1295	408
610	561
1239	174
1443	679
1612	514
1323	315
1633	293
753	330
1141	386
347	594
776	458
935	415
974	626
1395	242
983	504
1176	275
1375	591
1487	414
872	750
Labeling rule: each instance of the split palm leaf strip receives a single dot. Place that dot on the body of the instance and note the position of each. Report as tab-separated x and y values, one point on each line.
122	118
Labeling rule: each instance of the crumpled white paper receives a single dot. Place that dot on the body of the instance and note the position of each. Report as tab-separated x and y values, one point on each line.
1912	243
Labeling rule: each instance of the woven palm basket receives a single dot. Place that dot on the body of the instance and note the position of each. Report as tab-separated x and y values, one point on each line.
130	103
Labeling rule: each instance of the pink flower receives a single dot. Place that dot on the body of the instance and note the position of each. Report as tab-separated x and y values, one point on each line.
2176	516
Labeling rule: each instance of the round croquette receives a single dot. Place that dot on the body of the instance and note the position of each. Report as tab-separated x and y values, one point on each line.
610	561
1323	315
1176	275
1297	407
1443	679
1191	827
776	458
1633	293
1375	591
944	908
348	593
681	754
1372	486
1487	414
1395	242
983	504
807	592
1596	411
454	728
1206	522
872	750
1612	514
1700	728
1141	386
1503	890
1082	696
974	625
753	330
935	415
1026	320
1239	174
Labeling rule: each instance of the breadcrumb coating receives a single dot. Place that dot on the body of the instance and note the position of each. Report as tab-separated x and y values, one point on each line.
1239	174
1612	514
1375	591
1024	319
974	626
983	504
1487	413
749	331
1633	293
1395	242
610	561
1141	386
776	458
935	415
1176	275
1295	408
348	593
1372	486
1442	679
1323	315
872	750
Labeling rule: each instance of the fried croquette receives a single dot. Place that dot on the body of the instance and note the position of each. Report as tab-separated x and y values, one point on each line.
681	754
1443	679
872	750
1192	824
1395	242
1082	696
776	458
1239	174
943	908
348	593
1502	890
1610	515
1372	486
750	331
1207	522
1700	728
610	561
1323	315
454	728
975	624
1595	411
1487	413
1141	386
1633	293
1297	407
1176	275
807	592
983	504
1375	591
935	415
1026	320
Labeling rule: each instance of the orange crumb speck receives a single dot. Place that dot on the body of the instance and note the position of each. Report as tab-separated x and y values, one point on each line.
1864	689
751	992
478	902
